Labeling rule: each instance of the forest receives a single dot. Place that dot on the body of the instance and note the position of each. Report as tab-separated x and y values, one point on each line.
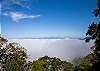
13	56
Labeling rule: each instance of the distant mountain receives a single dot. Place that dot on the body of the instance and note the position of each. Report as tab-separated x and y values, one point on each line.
79	38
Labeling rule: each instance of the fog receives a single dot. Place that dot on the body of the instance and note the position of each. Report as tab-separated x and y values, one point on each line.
65	49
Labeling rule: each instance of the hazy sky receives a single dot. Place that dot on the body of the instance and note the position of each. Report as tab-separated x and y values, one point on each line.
40	18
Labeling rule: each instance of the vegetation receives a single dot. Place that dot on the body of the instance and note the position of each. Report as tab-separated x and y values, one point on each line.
92	61
86	63
51	64
12	56
93	33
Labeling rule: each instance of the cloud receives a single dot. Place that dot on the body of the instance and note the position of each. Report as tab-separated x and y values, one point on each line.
7	10
16	16
27	4
65	49
22	3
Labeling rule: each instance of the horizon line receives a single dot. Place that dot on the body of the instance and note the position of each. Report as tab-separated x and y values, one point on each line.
79	38
52	37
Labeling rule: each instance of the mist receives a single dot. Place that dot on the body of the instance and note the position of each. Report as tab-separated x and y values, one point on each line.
65	49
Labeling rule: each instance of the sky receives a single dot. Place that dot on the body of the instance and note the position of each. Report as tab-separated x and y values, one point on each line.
45	18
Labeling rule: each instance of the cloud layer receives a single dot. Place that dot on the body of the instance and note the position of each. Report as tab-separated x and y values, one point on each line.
66	49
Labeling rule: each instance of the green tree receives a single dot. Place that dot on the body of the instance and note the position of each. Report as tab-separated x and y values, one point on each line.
12	56
77	60
27	66
86	63
93	33
51	64
92	61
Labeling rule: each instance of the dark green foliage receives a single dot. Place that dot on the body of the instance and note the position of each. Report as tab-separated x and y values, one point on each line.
86	63
77	60
27	66
14	65
92	61
96	66
12	56
94	34
51	64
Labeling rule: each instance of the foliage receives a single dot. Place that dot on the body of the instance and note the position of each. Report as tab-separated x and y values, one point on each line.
86	63
93	33
51	64
27	66
12	56
77	60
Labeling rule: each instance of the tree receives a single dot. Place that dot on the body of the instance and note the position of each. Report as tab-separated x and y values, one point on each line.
93	33
12	56
97	10
86	63
77	60
27	66
92	61
51	64
3	55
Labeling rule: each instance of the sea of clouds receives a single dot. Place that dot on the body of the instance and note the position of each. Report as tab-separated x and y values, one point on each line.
65	49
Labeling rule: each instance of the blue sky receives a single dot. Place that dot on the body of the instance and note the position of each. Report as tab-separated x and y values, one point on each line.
45	18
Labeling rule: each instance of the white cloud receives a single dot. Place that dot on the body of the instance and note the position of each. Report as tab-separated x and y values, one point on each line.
65	49
22	3
16	16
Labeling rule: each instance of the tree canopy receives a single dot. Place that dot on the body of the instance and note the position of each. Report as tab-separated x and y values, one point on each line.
51	64
93	33
12	56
